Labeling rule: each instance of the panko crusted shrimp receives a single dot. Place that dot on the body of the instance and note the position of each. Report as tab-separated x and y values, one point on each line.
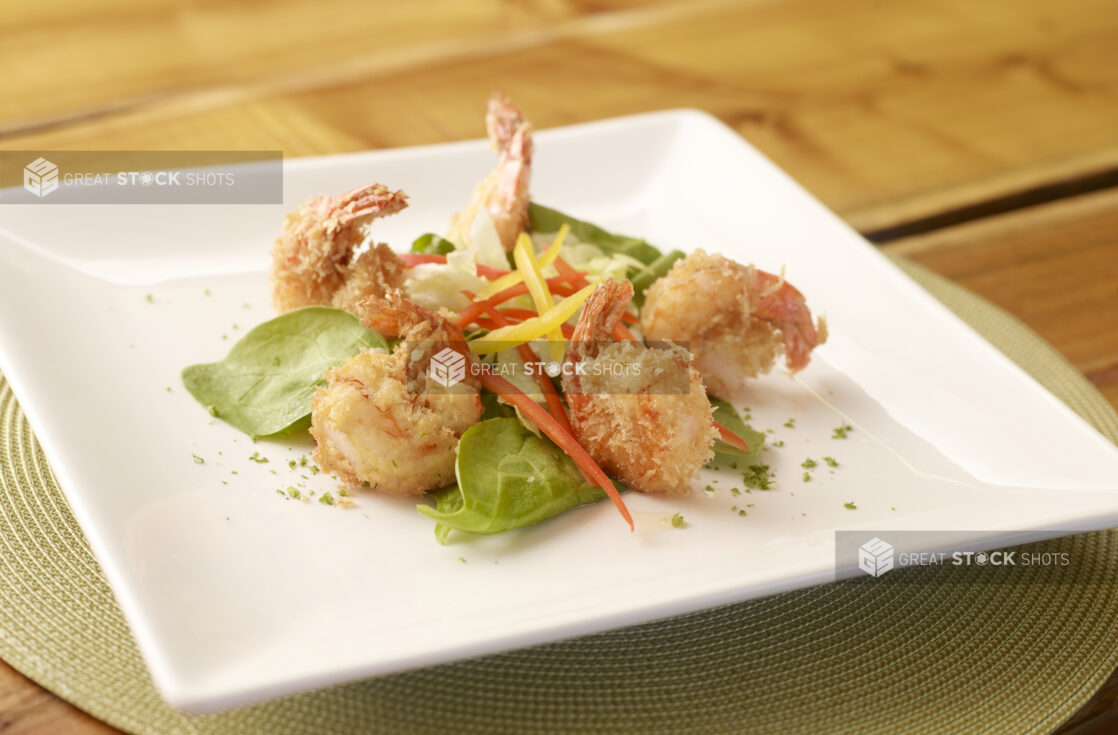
380	419
736	319
641	413
504	193
313	261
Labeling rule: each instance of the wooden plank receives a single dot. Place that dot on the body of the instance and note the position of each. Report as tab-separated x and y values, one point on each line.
70	60
1055	267
27	709
887	111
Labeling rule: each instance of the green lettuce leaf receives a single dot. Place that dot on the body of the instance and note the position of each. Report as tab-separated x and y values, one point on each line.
432	244
544	219
657	269
725	414
266	382
507	478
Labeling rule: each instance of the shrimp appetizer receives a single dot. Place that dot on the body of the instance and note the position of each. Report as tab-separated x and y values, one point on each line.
654	432
378	421
521	384
313	261
504	193
736	319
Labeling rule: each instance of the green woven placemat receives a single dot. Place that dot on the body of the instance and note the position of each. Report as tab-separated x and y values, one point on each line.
847	657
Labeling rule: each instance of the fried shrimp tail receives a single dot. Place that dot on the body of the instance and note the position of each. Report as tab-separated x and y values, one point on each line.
504	193
313	261
641	413
737	319
381	418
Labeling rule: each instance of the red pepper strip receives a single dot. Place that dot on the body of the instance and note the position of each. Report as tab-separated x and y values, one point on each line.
471	312
559	435
621	333
551	396
521	314
730	437
576	278
413	259
488	271
489	324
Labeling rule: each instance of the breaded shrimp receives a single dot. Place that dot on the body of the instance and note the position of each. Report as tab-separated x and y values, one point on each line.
312	262
736	319
380	419
641	413
504	193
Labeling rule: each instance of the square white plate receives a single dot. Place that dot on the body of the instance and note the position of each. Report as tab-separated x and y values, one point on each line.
236	595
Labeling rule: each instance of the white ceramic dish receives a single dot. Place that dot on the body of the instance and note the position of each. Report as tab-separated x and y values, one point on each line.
235	595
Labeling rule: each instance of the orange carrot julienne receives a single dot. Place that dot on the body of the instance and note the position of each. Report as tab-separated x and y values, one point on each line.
621	333
488	271
555	285
730	437
551	396
577	278
564	439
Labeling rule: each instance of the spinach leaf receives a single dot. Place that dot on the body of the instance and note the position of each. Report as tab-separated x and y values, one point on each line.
266	382
657	269
725	414
507	478
432	244
491	408
543	219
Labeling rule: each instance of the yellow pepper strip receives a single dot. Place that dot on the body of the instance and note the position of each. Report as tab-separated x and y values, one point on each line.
509	280
537	286
504	338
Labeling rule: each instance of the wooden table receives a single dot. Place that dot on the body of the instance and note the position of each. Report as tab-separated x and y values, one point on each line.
978	138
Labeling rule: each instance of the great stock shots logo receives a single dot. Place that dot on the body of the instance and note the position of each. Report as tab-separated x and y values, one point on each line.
40	177
448	368
875	557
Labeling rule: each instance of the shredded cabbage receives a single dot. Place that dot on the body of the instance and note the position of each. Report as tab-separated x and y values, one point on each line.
588	257
435	285
485	242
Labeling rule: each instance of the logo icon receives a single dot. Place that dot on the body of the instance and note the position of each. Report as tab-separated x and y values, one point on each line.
40	177
875	557
447	367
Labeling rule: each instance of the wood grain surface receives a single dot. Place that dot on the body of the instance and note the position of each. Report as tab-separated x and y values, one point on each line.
978	138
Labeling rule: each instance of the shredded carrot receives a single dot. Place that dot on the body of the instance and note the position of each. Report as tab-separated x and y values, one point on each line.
554	403
730	437
556	285
578	278
488	271
564	439
621	333
521	314
548	323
